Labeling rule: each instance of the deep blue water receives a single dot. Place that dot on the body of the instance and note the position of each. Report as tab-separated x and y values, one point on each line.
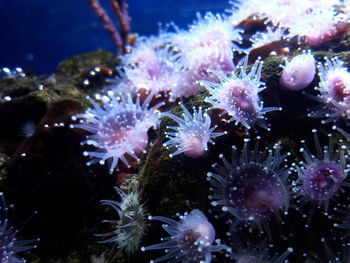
38	34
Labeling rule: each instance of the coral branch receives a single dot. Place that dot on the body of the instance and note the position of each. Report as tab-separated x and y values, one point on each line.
108	24
120	8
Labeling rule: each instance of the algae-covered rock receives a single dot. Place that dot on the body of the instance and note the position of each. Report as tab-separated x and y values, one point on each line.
73	70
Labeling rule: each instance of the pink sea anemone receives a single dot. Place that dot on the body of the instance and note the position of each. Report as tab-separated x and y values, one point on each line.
149	67
237	95
199	64
193	133
209	31
118	128
191	239
316	21
207	45
261	39
317	26
334	91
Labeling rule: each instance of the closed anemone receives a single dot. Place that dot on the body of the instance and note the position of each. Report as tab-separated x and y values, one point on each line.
191	239
251	188
298	72
118	128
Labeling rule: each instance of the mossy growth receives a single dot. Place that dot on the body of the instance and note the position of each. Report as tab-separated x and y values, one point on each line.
75	66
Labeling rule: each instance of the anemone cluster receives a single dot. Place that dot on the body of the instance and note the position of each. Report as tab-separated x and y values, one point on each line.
258	185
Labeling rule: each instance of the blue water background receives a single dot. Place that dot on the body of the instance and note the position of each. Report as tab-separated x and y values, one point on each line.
38	34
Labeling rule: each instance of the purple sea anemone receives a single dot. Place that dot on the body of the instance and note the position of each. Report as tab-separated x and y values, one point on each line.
252	187
193	133
191	239
334	91
9	245
299	72
237	95
131	225
322	175
118	128
250	253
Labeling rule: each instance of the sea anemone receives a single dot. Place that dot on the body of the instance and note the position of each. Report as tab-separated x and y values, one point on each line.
334	91
252	187
318	26
250	253
149	67
9	245
261	39
210	31
191	239
278	12
193	133
299	72
131	225
237	95
200	64
322	175
118	128
207	46
315	22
